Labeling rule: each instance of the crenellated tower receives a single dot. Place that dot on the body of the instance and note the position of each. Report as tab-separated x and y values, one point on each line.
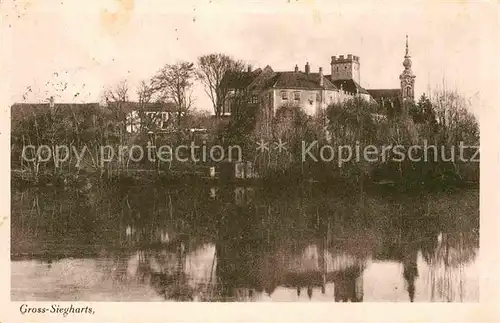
407	78
345	68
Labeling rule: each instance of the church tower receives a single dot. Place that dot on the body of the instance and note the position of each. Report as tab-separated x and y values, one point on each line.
407	78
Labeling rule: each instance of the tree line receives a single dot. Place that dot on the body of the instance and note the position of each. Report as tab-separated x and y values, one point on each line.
93	125
174	83
442	120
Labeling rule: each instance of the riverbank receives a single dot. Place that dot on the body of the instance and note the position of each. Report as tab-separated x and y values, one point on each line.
87	180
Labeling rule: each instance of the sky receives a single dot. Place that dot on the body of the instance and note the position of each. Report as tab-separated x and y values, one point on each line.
73	49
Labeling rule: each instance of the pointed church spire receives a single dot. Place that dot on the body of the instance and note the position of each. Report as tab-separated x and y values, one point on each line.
406	54
407	60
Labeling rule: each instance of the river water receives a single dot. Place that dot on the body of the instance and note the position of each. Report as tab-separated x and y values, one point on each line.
222	243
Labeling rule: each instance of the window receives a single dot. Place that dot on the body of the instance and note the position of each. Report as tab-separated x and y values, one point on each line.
230	108
407	91
133	121
296	96
164	120
284	95
318	97
150	118
253	99
153	119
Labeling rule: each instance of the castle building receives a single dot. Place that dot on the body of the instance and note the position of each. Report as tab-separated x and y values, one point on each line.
312	91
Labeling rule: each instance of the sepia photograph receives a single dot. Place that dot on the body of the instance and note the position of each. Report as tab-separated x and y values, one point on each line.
245	152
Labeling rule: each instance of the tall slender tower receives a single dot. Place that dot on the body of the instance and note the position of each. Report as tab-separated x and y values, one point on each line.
407	78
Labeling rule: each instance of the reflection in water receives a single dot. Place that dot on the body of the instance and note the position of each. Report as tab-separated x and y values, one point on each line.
243	244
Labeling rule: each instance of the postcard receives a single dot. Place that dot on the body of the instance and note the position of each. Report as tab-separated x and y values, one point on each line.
249	161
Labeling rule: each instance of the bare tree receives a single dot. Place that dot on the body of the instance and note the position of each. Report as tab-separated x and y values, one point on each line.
145	93
211	70
174	82
455	121
119	93
116	98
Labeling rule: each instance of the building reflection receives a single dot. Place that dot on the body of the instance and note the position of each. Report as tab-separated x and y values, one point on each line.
247	261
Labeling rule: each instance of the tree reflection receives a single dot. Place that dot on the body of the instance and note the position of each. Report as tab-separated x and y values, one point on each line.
246	244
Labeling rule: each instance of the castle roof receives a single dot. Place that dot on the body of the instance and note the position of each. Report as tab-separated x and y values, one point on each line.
260	80
388	98
350	86
264	80
301	80
378	94
239	80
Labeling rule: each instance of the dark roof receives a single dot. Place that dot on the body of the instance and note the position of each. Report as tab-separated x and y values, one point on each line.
378	94
388	98
259	80
28	107
24	109
301	80
264	81
165	106
151	106
239	80
47	105
350	86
